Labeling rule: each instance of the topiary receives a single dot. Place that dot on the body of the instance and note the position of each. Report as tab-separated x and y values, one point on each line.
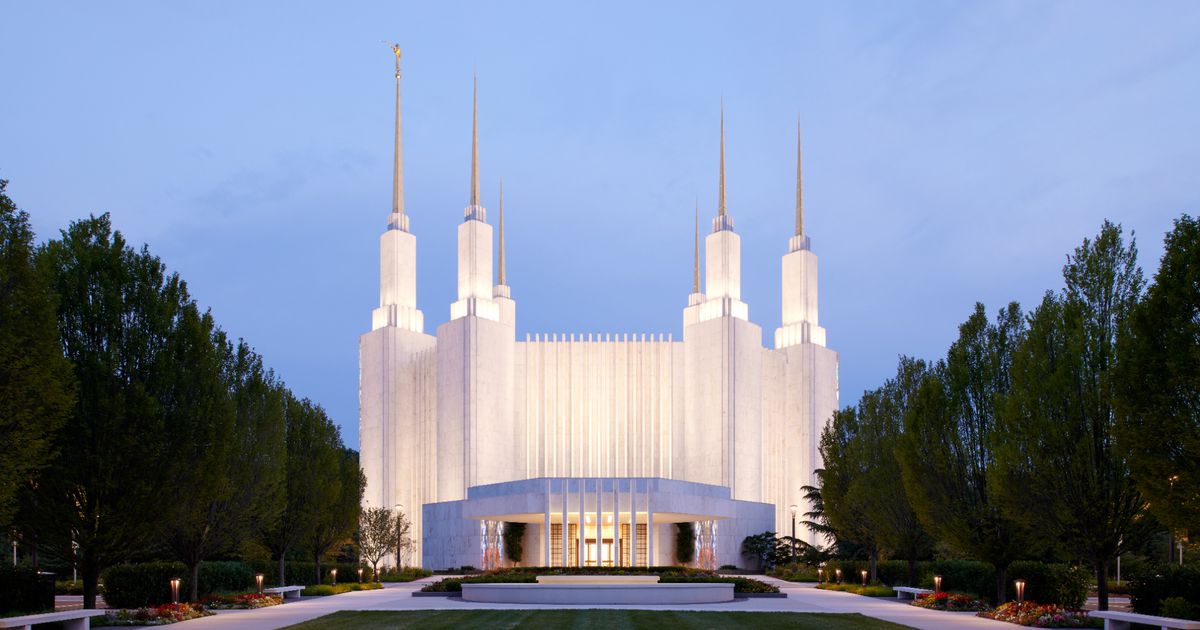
514	548
685	542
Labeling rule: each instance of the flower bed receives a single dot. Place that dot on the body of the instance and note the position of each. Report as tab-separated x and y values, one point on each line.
245	601
1041	616
949	601
153	615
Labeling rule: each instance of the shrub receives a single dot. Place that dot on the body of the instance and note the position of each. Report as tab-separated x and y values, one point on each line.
1155	584
68	587
1029	613
870	590
24	591
685	542
407	574
728	567
794	573
514	547
1179	608
322	590
153	615
149	583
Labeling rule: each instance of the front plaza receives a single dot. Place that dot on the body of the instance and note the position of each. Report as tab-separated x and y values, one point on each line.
801	598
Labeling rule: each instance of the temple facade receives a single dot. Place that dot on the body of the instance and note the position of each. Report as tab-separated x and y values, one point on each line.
601	445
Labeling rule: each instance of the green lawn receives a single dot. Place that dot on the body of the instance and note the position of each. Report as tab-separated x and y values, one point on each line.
581	619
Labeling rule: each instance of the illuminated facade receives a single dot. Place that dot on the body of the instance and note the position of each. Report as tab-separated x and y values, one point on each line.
599	443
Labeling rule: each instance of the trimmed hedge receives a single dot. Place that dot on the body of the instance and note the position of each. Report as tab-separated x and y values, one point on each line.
1060	584
149	583
22	590
299	573
666	575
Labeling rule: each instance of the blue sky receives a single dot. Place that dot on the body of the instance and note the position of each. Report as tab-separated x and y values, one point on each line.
954	153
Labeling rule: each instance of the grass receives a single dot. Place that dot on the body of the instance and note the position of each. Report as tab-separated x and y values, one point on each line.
587	619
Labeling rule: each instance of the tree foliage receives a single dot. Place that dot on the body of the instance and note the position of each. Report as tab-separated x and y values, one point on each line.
36	384
947	452
1158	383
1060	467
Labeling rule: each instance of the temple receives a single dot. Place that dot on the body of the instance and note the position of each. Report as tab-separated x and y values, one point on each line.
600	444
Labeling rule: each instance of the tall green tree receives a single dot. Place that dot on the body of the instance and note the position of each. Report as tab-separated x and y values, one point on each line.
947	453
845	502
888	507
1062	470
337	517
104	490
36	385
1158	383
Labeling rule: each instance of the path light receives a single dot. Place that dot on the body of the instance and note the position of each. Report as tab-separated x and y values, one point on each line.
360	575
1020	590
258	579
839	575
937	584
864	574
175	590
820	575
333	573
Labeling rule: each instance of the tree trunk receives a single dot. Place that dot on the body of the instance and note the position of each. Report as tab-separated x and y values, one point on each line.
912	571
1001	584
282	572
194	578
33	550
874	564
375	570
91	575
1102	584
317	559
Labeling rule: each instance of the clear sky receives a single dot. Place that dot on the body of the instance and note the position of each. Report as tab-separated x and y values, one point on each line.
954	153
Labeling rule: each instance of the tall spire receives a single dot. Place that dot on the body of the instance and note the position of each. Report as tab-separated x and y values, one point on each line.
799	190
721	188
475	142
696	254
398	220
500	279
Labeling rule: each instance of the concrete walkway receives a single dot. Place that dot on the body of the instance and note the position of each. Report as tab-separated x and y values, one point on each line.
801	598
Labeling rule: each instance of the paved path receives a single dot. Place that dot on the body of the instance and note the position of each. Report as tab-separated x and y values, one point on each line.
801	598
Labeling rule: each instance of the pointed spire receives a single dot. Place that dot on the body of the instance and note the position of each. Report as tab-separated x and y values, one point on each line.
799	190
398	175
475	141
500	279
721	188
696	254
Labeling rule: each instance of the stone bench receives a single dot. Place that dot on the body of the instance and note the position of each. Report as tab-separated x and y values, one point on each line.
288	592
1117	620
910	592
71	619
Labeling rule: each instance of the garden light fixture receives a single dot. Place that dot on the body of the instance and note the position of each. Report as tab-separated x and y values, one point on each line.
258	580
333	574
839	575
360	575
937	584
175	590
1020	584
864	577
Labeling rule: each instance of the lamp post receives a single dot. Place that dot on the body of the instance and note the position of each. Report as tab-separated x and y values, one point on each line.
258	580
360	575
839	575
1020	584
793	510
333	574
820	575
175	590
864	577
937	584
